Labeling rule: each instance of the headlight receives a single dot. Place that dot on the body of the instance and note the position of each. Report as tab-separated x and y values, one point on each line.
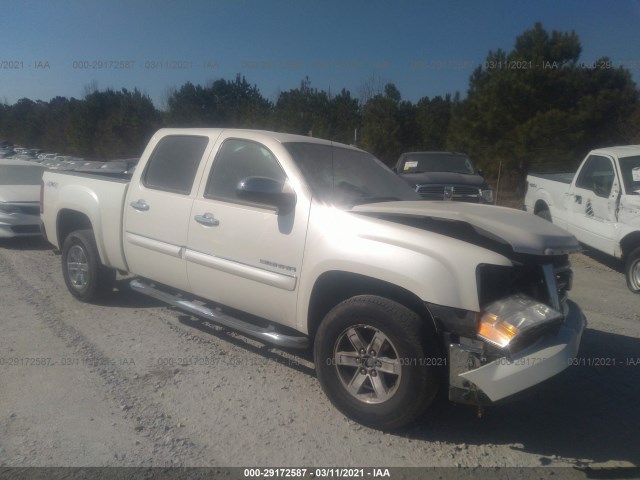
505	319
487	195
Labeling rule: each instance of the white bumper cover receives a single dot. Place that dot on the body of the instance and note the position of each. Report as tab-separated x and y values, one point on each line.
544	359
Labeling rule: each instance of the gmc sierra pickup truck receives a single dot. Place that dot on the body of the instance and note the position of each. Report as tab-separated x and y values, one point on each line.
305	243
600	204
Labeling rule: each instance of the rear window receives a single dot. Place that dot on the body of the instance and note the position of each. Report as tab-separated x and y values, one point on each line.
21	174
174	162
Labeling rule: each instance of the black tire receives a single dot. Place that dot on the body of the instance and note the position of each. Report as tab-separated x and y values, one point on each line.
544	214
85	276
632	271
406	346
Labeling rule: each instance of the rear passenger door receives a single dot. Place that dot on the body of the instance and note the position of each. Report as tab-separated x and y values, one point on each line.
158	206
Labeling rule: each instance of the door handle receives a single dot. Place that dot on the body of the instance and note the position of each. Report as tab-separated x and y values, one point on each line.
140	205
208	220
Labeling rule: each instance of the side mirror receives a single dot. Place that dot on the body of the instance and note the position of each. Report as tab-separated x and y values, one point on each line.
267	191
481	173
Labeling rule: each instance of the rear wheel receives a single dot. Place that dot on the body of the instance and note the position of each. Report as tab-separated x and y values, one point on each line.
632	271
85	276
373	363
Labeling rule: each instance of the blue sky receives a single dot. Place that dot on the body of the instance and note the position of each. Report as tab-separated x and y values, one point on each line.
426	48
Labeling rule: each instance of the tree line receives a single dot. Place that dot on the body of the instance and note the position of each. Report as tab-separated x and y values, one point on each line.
534	107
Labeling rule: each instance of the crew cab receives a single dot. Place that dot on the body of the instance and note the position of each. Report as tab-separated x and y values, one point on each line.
306	243
599	204
444	176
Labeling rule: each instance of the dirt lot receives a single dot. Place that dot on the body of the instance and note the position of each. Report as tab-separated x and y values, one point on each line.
133	383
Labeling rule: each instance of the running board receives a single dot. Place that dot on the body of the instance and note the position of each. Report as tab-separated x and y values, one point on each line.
269	334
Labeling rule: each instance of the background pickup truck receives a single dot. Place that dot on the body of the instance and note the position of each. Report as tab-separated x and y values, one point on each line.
600	204
444	176
301	242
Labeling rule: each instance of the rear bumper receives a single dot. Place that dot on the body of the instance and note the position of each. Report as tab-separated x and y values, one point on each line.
504	377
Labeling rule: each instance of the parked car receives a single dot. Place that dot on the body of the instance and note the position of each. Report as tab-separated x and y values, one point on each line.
301	242
599	204
19	198
444	176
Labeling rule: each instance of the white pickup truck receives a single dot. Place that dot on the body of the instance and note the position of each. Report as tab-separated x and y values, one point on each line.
306	243
599	204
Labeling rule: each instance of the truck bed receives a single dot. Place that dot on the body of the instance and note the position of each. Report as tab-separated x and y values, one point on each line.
564	177
99	197
107	176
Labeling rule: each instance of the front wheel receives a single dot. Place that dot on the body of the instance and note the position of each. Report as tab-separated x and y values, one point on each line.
632	271
376	362
85	276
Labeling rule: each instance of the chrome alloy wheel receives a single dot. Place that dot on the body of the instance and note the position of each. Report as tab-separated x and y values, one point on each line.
634	275
367	363
78	267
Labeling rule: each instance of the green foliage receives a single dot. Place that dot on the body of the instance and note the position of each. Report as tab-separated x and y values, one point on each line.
303	110
223	104
538	107
388	125
432	119
534	107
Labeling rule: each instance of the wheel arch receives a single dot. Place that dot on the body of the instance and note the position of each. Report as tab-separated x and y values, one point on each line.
629	243
69	221
540	206
333	287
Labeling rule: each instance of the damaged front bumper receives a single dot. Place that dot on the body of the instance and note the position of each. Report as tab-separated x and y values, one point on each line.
479	379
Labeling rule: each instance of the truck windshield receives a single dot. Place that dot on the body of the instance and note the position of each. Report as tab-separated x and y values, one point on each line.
344	177
436	162
630	168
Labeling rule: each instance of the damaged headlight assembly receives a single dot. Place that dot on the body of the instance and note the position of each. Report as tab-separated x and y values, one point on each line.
507	319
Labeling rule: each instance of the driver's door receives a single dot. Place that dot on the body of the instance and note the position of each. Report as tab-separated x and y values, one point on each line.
245	255
593	203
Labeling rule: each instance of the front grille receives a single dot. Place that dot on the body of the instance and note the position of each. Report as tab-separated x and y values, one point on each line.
457	193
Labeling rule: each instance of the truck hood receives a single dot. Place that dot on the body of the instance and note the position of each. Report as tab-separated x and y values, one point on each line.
19	193
414	179
495	228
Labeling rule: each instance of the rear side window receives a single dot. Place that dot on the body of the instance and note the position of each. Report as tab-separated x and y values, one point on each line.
174	162
597	175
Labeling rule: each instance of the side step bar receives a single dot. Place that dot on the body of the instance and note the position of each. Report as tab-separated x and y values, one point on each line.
269	335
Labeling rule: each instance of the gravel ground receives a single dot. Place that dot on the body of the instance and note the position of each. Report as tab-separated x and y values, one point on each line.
134	383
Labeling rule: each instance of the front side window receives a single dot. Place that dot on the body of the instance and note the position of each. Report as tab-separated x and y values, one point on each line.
237	160
174	162
597	175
